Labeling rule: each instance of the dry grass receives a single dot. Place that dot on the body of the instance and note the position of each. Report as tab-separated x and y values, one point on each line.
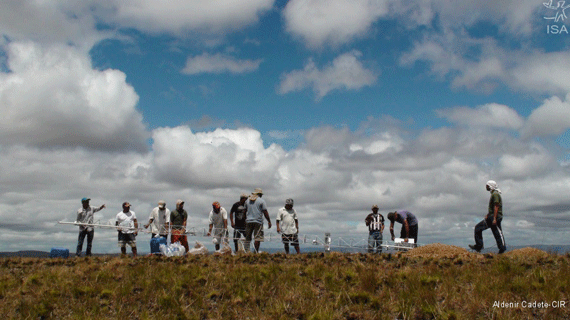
431	282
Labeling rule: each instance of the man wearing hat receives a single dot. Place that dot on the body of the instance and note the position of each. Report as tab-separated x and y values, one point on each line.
159	220
85	215
218	220
238	224
409	225
288	225
492	220
128	229
375	223
178	219
256	209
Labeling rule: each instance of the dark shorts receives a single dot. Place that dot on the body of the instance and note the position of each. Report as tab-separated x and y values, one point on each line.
290	239
238	233
127	238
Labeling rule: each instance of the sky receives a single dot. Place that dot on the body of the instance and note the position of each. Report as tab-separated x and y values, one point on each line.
338	104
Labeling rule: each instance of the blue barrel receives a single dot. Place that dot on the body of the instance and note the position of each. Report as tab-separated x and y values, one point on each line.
59	253
155	244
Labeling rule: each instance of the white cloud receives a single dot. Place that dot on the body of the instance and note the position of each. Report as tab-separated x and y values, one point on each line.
345	72
219	63
489	115
184	17
53	97
552	118
331	22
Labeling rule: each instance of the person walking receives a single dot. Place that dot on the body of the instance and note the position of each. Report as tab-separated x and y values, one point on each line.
492	220
85	215
128	229
256	209
375	223
218	220
238	223
288	225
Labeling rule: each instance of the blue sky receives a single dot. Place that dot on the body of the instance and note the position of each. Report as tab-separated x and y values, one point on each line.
338	104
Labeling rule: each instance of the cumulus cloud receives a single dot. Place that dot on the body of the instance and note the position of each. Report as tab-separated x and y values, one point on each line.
331	22
334	177
552	118
345	72
484	64
219	63
53	97
489	115
182	17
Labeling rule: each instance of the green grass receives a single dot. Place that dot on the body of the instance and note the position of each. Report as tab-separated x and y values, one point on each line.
263	286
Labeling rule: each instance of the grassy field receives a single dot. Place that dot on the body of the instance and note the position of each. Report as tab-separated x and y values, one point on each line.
450	285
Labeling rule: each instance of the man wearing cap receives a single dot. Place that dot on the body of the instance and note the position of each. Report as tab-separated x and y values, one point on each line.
218	219
409	225
85	215
256	209
492	220
178	218
159	220
288	225
128	229
375	223
238	224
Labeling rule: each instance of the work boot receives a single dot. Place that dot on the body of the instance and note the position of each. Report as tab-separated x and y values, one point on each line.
475	247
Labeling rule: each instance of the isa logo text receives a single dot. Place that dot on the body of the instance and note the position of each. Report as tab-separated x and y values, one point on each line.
556	17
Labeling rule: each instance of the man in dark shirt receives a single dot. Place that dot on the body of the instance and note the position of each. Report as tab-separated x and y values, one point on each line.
178	219
238	224
375	223
492	220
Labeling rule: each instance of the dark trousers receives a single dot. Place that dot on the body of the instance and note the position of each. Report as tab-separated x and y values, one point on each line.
80	240
497	232
413	233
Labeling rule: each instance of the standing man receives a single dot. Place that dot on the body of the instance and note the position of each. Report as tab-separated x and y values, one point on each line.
375	223
218	219
159	220
289	227
239	223
128	229
256	209
409	225
85	215
492	220
178	219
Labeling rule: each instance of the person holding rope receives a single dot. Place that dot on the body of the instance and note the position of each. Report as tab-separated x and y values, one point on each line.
178	219
289	227
218	219
237	219
375	223
128	229
256	209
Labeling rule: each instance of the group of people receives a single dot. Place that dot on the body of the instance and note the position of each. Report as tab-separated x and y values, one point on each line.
247	217
375	223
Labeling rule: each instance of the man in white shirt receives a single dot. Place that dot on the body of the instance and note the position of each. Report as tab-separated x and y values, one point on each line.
128	229
85	215
159	220
218	220
288	226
